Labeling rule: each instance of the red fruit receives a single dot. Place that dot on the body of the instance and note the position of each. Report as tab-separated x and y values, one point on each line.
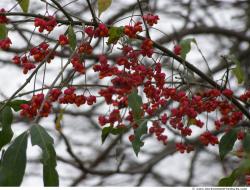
177	49
3	18
5	43
227	93
240	135
131	138
16	59
63	40
151	130
151	19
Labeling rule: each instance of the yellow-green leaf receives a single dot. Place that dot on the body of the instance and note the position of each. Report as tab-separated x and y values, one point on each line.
24	4
114	34
72	37
103	5
3	31
237	71
186	46
59	120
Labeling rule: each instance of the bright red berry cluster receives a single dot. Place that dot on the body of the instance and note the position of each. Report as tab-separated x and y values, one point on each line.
45	24
31	110
63	40
151	19
100	31
69	96
38	54
5	43
182	148
158	130
208	138
3	18
131	31
127	73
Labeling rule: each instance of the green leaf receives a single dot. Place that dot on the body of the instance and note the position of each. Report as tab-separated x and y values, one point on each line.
139	132
135	103
246	143
227	142
3	31
14	162
24	4
114	131
41	138
6	133
186	46
50	175
103	5
137	144
118	130
229	181
237	71
114	34
72	37
105	133
15	104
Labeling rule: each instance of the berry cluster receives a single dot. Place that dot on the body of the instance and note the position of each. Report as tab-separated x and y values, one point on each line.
246	96
5	43
78	63
38	54
182	148
113	117
158	130
208	138
31	109
151	19
128	72
100	31
3	18
45	24
131	31
63	40
69	97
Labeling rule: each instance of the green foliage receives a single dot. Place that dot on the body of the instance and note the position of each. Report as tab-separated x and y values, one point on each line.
139	132
6	133
103	5
236	173
229	180
114	34
24	4
135	103
3	31
111	130
72	37
186	46
41	138
246	143
227	142
13	163
237	71
15	104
